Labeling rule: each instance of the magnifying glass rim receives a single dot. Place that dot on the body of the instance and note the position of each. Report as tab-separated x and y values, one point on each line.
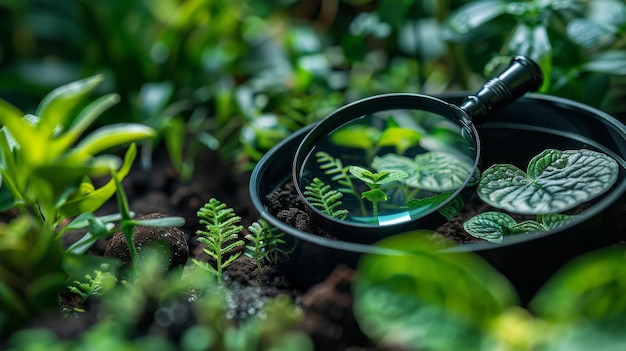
378	103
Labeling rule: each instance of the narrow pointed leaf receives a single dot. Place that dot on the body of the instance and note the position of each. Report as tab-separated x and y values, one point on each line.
113	135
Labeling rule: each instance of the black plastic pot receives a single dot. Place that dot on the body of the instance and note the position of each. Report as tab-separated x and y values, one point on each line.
512	135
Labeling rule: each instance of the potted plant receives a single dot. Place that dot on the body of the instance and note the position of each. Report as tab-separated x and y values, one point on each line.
514	135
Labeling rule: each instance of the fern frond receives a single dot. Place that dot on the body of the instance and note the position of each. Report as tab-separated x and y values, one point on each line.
333	167
325	199
221	236
266	242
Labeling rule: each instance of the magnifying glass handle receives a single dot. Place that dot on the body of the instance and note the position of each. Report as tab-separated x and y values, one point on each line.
522	75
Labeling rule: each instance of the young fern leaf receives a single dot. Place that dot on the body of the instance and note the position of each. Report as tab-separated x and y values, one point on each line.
325	199
333	167
221	236
265	242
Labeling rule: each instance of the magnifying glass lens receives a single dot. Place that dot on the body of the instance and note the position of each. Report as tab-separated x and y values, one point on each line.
388	167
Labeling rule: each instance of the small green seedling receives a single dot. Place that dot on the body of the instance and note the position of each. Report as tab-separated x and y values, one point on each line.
555	181
221	236
266	242
325	199
374	180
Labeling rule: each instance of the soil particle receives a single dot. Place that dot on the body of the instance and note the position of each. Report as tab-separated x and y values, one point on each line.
174	246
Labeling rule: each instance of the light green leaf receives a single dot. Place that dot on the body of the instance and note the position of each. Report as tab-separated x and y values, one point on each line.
400	138
432	171
161	222
357	136
56	107
556	181
491	226
374	195
113	135
592	287
86	117
424	298
92	200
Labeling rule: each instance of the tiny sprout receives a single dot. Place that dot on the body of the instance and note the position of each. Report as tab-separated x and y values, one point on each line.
374	181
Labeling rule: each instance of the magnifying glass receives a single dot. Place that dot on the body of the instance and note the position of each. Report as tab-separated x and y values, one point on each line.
397	162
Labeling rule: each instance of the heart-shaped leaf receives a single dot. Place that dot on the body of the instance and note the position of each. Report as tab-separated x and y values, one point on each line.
491	226
433	171
556	181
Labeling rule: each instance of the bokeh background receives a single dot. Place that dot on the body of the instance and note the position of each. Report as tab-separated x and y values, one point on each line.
237	76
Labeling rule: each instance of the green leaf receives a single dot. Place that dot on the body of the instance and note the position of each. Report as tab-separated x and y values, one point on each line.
400	138
491	226
56	107
608	62
423	205
591	287
556	181
473	15
161	222
555	220
374	195
113	135
90	201
82	122
363	174
424	298
432	171
356	136
528	227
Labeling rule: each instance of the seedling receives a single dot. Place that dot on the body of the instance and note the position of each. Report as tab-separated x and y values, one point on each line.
555	181
374	180
266	242
221	236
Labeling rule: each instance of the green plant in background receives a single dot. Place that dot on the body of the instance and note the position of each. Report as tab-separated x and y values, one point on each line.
221	236
424	298
578	44
555	181
325	199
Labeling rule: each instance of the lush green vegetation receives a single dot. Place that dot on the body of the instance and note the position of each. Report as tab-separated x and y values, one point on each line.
80	79
238	76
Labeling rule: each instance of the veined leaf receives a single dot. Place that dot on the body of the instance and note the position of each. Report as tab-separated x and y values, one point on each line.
433	171
491	226
556	181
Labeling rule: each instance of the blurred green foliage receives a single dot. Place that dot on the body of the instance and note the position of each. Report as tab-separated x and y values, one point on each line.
459	302
238	76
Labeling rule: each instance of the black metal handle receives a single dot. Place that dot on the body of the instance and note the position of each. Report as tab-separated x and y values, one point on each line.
522	75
